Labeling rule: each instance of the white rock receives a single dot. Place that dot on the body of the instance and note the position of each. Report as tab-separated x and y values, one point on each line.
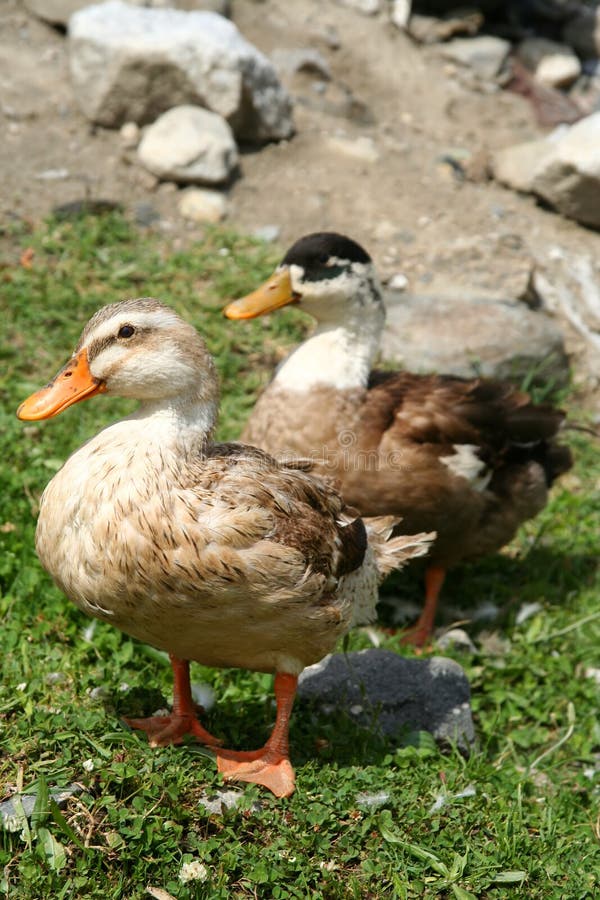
485	54
398	282
456	639
516	166
362	148
132	64
553	64
203	205
569	177
191	145
400	13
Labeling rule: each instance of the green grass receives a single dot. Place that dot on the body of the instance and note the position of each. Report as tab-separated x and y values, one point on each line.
528	823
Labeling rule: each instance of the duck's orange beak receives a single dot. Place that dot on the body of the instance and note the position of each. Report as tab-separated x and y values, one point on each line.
275	292
73	383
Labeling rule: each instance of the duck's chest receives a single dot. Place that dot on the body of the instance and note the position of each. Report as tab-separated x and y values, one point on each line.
102	522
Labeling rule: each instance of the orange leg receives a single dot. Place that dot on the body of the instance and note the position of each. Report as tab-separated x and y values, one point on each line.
269	766
423	628
164	730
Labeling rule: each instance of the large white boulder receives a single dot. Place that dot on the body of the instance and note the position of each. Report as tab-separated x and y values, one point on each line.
132	64
191	145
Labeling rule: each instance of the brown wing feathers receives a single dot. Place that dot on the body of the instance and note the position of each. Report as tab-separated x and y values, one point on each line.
316	527
494	416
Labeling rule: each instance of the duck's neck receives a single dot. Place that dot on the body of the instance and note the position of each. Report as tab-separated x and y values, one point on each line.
337	355
174	425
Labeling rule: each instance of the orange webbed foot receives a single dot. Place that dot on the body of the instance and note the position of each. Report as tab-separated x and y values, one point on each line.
165	730
268	768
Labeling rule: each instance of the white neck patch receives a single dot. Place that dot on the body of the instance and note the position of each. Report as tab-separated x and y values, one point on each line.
350	318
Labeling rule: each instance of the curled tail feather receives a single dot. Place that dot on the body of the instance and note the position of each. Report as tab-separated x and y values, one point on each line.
392	553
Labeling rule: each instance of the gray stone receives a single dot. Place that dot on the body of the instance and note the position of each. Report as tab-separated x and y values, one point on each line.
132	64
378	688
458	335
191	145
145	214
553	64
569	177
12	813
515	166
485	54
563	169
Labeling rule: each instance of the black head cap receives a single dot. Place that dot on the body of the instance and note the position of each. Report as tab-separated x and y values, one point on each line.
315	249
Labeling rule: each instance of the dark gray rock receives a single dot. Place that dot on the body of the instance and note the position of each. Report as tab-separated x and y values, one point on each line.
398	694
484	54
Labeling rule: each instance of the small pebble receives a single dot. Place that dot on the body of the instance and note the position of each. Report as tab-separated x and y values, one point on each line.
145	214
130	135
203	205
398	282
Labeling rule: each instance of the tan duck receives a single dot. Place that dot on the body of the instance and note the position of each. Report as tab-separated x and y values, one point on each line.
212	552
470	459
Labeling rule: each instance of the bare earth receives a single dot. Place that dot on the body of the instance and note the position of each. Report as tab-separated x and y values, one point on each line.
408	208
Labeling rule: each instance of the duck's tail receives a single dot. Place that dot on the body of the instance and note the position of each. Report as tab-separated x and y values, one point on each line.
391	553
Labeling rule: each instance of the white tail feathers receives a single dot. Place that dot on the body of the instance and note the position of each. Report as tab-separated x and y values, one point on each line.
392	553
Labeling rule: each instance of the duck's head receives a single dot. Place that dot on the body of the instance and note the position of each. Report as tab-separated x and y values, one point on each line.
137	348
325	274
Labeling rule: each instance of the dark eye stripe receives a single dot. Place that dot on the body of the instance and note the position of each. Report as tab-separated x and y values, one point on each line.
322	273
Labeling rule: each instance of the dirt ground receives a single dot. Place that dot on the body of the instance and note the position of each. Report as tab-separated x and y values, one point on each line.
407	207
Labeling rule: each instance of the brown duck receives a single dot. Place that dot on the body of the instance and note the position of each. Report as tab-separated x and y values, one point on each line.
212	552
470	459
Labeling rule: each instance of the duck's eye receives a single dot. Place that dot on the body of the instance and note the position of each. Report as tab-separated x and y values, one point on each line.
323	259
126	331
